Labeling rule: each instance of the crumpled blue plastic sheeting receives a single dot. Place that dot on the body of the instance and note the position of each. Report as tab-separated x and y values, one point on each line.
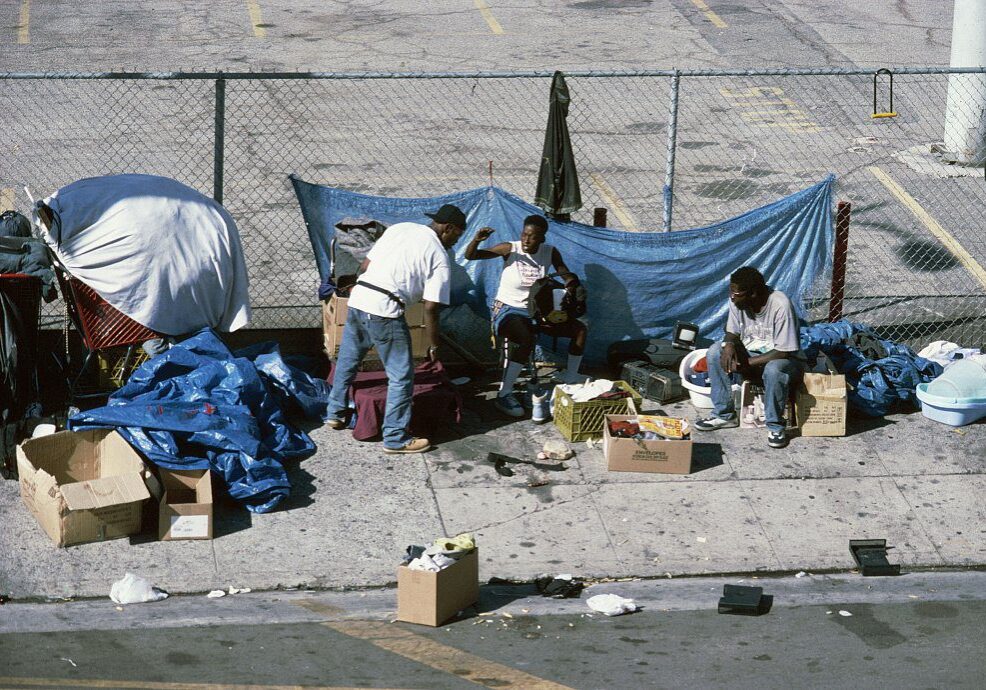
199	406
639	283
878	385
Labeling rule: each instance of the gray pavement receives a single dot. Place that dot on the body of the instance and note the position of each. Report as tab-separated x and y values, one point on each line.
745	509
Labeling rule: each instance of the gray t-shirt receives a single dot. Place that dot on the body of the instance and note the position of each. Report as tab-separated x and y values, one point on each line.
775	327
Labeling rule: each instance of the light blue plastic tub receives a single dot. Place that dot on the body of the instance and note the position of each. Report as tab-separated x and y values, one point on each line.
951	411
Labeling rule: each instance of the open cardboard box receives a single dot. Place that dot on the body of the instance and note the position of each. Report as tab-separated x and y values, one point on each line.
430	598
82	486
185	510
639	455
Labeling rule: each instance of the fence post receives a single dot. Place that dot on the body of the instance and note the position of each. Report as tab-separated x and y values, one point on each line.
672	144
219	149
840	256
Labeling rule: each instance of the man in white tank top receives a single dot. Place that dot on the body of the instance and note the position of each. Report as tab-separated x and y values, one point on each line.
525	261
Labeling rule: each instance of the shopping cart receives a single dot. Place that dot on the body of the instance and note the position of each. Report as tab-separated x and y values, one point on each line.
102	329
23	292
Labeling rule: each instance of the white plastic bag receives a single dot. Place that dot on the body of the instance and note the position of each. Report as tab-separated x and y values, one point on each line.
611	604
133	589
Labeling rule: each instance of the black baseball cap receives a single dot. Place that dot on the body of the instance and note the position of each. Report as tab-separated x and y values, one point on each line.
449	214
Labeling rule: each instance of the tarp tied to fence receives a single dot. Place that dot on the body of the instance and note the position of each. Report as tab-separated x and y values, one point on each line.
639	283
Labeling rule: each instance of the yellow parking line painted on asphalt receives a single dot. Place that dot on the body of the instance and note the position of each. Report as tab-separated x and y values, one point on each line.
149	685
470	667
934	227
6	198
24	28
619	210
709	14
254	8
487	13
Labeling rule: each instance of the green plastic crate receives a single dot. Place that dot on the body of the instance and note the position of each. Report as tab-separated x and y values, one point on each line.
579	421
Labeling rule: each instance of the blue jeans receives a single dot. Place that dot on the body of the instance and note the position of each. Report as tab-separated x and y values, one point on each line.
779	378
393	342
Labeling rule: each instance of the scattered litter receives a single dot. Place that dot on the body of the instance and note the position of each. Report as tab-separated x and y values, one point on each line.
216	593
829	613
960	432
801	573
461	381
667	575
537	480
611	604
845	614
65	658
133	589
486	613
592	443
119	608
555	450
238	590
525	610
507	615
562	586
913	596
700	540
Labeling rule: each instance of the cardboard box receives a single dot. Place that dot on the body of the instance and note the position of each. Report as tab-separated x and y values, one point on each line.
335	310
751	411
430	598
185	510
82	486
637	455
821	405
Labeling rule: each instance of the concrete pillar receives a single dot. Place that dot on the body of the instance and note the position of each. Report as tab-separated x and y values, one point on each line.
965	112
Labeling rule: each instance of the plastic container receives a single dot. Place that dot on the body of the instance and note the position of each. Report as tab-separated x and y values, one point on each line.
701	396
951	411
963	380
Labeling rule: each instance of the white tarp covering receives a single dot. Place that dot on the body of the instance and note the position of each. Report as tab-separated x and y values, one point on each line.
162	253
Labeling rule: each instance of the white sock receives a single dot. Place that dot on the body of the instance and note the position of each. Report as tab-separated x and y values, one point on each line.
574	362
510	374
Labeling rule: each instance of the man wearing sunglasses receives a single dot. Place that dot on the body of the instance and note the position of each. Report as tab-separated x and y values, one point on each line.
761	344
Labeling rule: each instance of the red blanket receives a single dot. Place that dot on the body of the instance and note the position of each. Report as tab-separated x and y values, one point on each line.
435	401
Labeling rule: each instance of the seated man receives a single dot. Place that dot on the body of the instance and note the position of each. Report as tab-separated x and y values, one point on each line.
761	341
524	262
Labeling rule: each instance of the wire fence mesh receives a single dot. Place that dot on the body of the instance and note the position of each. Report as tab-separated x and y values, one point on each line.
916	249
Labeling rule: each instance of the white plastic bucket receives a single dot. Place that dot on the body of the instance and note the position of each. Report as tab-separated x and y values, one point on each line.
701	396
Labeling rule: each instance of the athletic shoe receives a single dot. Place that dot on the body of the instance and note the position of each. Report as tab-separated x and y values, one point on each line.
713	423
777	439
509	405
335	424
415	445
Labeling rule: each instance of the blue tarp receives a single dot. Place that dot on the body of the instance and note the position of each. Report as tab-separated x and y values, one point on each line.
639	283
199	406
882	374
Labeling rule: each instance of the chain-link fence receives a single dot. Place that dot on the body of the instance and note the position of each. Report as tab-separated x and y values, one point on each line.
658	150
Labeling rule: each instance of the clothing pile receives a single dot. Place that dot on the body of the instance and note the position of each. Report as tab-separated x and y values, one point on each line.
600	389
882	374
947	353
650	428
443	552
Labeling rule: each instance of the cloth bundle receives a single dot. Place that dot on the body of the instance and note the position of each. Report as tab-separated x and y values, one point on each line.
443	552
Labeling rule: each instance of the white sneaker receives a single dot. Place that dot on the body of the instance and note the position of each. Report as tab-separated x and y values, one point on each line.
509	405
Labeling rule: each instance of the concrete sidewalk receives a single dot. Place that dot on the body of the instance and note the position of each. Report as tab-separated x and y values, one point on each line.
745	508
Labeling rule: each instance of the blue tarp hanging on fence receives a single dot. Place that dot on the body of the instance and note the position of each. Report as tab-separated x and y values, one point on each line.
199	406
639	283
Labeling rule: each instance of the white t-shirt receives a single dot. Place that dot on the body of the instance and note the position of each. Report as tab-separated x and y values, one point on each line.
408	260
775	327
520	270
